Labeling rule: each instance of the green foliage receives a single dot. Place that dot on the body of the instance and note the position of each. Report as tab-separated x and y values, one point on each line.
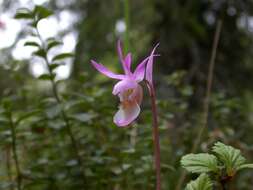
229	156
47	77
41	53
41	12
62	56
203	182
200	163
245	166
23	13
52	42
31	43
37	14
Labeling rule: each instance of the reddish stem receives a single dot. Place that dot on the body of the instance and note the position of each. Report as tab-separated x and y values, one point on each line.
155	135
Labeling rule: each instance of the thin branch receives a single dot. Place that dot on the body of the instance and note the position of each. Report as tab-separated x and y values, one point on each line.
63	113
207	98
8	165
14	151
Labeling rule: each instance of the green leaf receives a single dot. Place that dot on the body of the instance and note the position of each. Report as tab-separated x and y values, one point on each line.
230	157
31	43
82	117
244	166
46	77
53	112
42	12
40	53
23	13
203	182
53	43
62	56
200	163
27	115
54	66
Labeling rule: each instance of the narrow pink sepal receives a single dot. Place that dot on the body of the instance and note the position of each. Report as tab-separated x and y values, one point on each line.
139	72
119	49
125	62
149	68
102	69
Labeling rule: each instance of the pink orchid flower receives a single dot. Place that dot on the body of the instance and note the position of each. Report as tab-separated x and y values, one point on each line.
128	89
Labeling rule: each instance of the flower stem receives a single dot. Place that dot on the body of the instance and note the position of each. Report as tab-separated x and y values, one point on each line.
155	135
207	98
14	151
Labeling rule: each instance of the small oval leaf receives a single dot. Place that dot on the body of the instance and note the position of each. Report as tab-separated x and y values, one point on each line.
31	43
62	56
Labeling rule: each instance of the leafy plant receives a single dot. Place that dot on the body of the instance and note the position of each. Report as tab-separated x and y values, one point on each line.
203	182
223	165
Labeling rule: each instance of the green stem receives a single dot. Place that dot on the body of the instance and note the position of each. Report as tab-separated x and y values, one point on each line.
63	113
8	165
127	23
14	151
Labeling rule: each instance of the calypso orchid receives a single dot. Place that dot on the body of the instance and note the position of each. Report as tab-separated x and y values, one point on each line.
128	89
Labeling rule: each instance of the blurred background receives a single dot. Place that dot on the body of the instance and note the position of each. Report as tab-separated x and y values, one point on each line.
121	158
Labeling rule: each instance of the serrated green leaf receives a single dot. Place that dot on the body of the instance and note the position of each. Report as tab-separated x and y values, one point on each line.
41	12
200	163
245	166
230	157
31	43
62	56
203	182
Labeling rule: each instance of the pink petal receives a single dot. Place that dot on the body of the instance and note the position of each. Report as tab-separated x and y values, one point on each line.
149	68
126	114
126	63
102	69
119	49
124	85
139	72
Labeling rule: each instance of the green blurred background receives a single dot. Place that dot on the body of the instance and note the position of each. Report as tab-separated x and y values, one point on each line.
121	158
